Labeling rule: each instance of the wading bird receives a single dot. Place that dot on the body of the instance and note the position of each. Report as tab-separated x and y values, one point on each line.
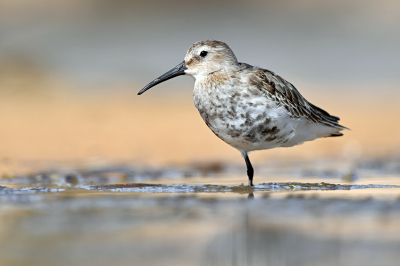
248	107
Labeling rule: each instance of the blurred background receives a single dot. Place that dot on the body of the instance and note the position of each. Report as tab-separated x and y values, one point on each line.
76	142
70	71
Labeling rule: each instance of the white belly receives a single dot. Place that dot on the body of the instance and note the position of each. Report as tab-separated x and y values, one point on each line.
247	124
255	122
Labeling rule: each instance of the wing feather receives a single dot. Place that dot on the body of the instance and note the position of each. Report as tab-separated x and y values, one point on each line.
285	94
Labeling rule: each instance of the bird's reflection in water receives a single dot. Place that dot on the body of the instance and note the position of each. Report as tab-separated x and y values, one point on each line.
253	242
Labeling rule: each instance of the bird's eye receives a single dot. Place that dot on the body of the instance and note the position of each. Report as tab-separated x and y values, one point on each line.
203	53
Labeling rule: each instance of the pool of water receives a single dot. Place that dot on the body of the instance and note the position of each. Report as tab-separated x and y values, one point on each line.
98	219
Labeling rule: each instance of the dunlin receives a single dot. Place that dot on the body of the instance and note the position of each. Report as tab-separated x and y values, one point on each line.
248	107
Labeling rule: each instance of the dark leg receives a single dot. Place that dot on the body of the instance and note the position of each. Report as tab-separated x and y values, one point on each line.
250	170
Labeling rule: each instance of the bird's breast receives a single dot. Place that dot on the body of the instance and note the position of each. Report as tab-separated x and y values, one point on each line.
244	120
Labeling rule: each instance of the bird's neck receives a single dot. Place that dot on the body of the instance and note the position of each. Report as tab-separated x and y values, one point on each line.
212	79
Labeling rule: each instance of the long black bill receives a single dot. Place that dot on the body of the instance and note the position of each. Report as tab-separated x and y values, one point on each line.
176	71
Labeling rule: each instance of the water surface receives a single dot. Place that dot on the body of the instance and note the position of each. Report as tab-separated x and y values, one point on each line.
59	219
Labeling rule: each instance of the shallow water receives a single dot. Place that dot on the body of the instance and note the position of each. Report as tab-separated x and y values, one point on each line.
100	218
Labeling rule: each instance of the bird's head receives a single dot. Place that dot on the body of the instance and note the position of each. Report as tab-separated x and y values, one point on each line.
207	57
203	58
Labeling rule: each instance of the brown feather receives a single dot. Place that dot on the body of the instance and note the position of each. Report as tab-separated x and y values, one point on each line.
285	94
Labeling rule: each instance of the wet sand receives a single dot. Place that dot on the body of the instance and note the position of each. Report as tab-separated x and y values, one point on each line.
89	220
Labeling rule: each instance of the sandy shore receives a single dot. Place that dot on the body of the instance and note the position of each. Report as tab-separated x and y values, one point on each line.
166	128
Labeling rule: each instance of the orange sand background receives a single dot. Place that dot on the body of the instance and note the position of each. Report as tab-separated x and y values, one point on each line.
162	127
56	56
